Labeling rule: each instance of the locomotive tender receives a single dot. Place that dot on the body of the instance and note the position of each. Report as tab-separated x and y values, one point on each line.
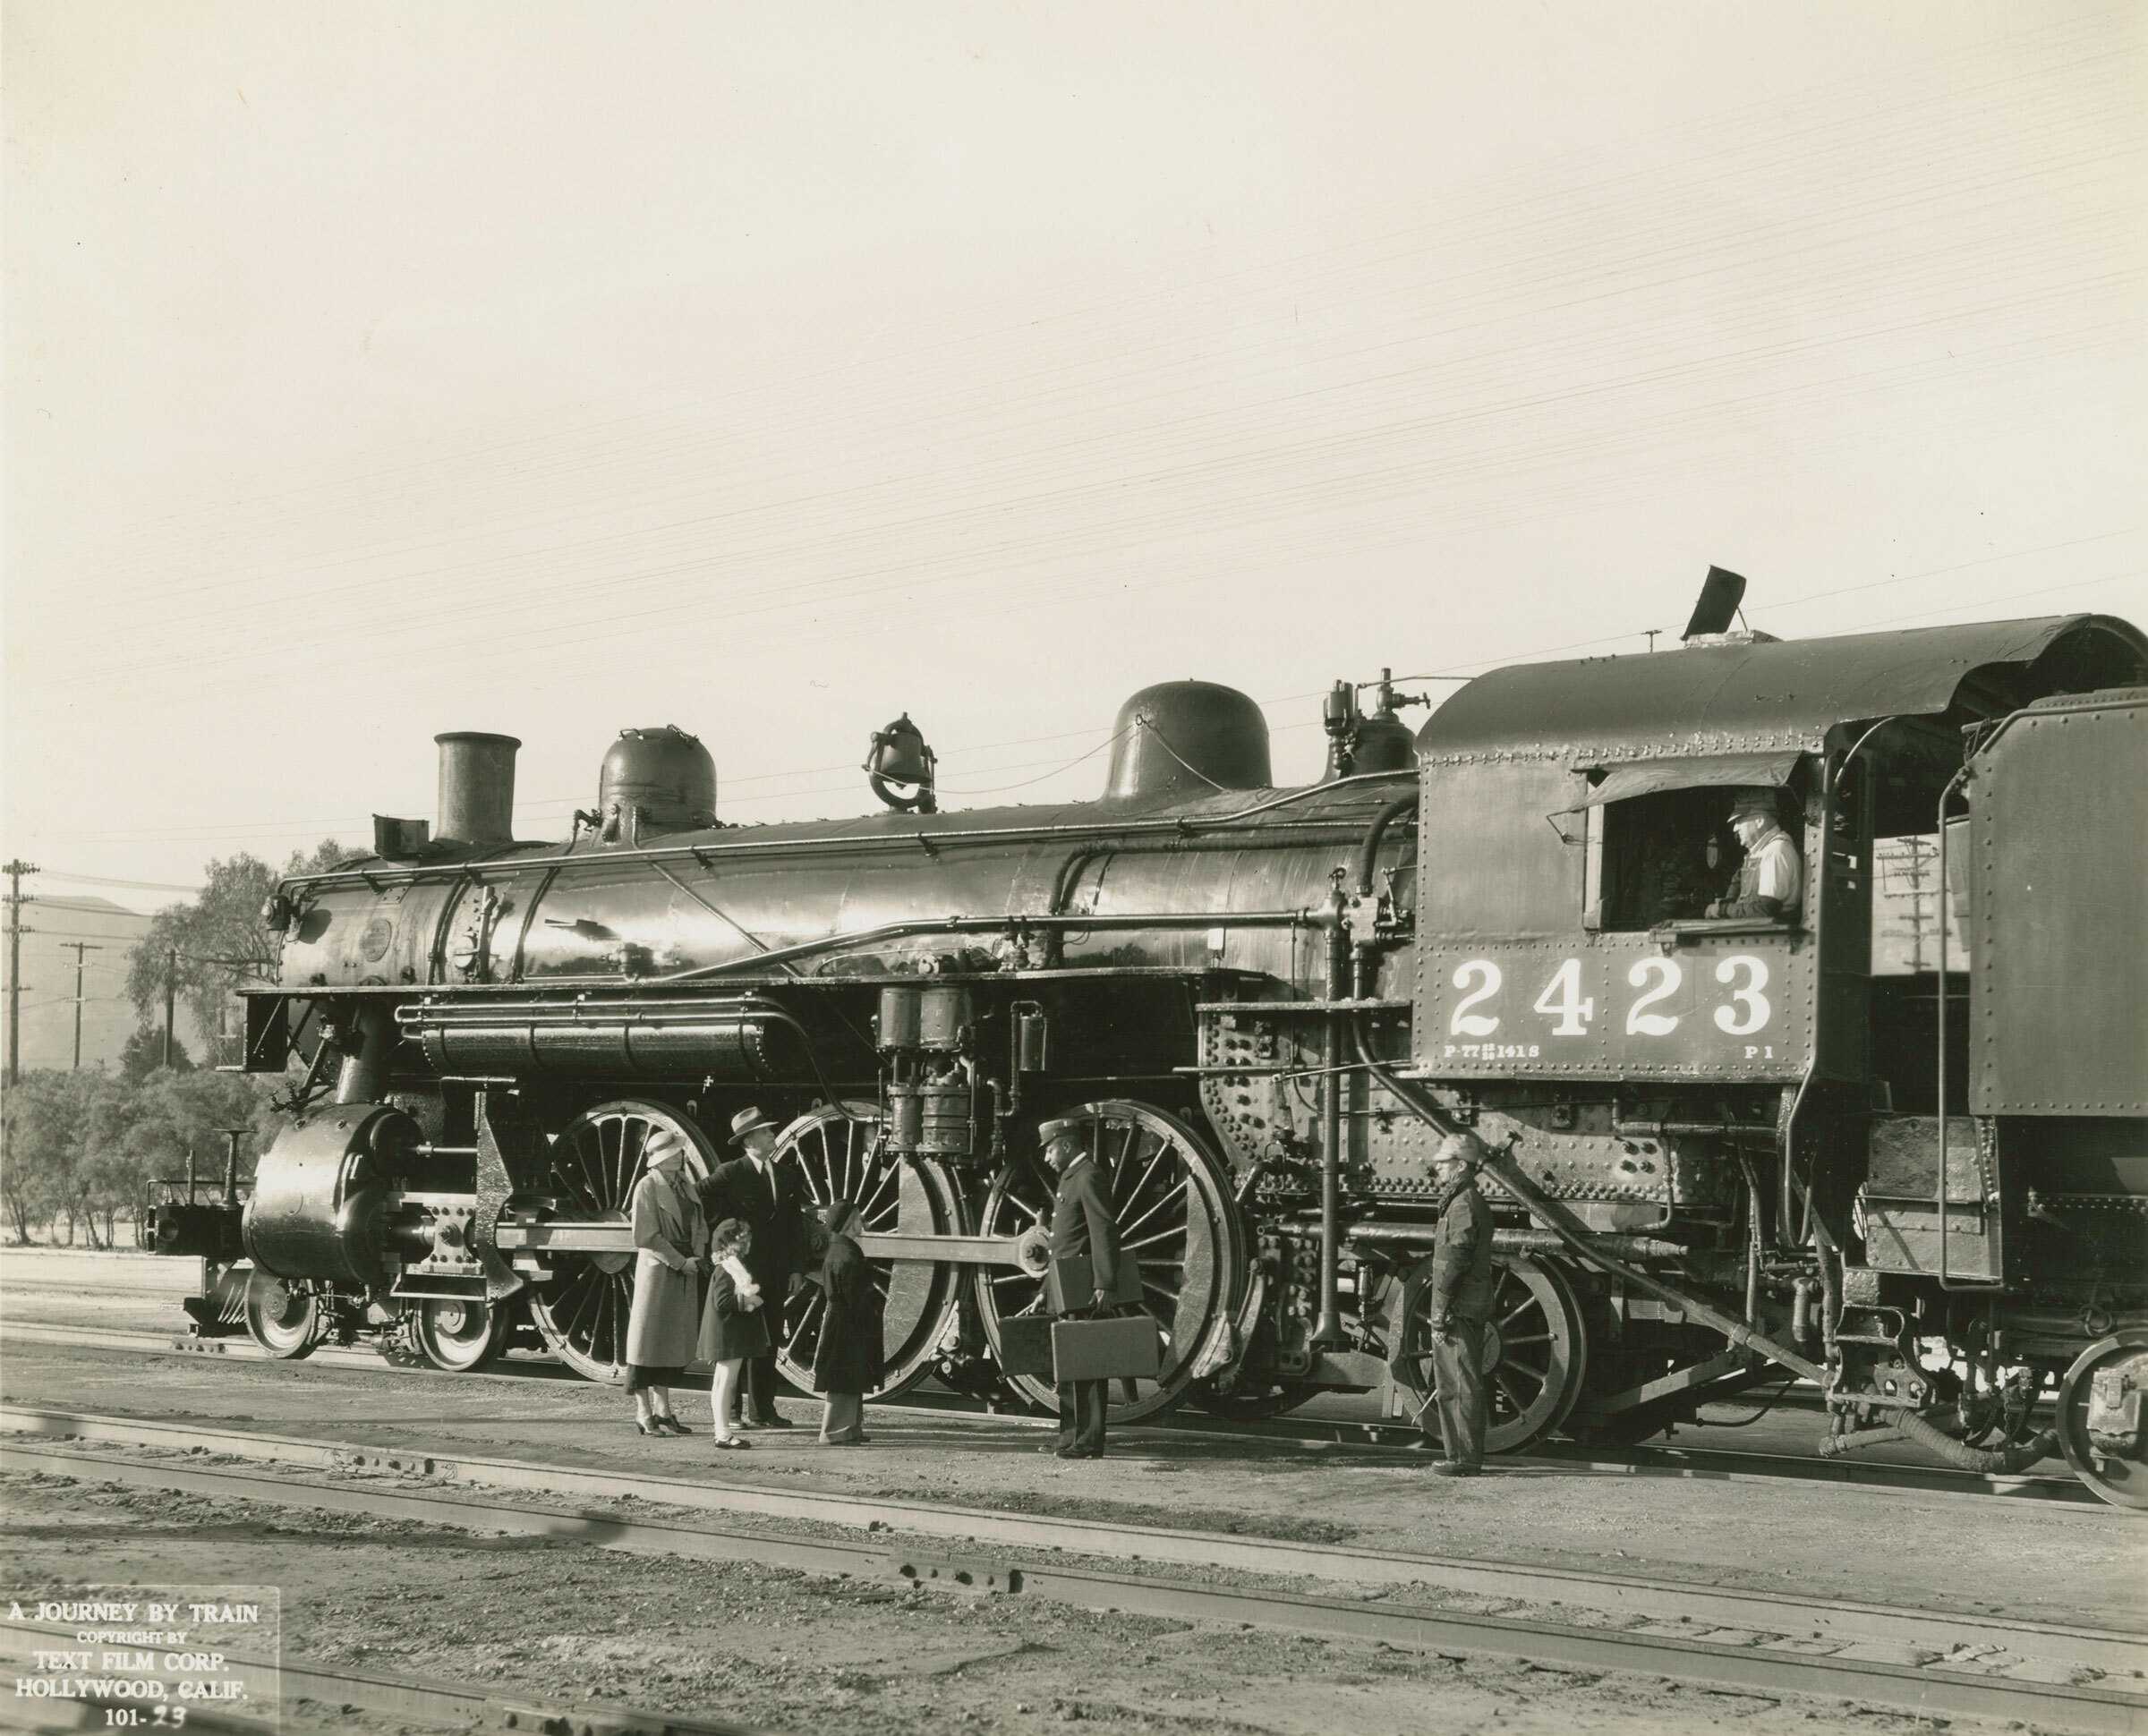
1724	1152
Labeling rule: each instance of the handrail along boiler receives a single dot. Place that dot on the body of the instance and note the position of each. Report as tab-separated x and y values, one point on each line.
1725	1151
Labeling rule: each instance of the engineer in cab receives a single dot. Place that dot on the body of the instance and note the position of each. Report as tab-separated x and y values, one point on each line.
1771	882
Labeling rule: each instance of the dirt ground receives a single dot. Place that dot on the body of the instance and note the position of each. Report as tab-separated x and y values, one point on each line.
2044	1562
783	1651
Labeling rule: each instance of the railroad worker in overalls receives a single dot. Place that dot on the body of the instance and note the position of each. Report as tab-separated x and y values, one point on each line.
1459	1302
1082	1229
1770	880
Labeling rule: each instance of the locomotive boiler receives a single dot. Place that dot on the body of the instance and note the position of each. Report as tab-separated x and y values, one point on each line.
1723	1151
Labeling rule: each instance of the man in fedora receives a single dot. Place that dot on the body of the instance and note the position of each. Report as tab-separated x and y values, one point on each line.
1082	1228
1771	878
769	1198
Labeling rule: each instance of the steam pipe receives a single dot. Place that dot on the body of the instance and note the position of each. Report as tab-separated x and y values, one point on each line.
1167	919
363	1077
1327	1329
1369	852
1960	777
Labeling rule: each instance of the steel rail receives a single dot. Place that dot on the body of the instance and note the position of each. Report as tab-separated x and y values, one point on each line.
1524	1582
1710	1464
1751	1663
424	1698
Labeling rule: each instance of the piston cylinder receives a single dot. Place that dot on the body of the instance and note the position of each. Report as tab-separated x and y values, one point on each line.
321	1194
944	1123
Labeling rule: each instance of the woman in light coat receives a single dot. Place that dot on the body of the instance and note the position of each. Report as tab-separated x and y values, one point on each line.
670	1235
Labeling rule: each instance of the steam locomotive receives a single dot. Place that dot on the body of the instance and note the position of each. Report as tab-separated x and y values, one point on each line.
1724	1152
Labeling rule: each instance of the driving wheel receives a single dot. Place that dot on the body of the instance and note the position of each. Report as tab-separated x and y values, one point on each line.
1174	1207
582	1309
1535	1350
839	1155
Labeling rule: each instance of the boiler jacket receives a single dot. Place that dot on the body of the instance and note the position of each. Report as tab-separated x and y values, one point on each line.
849	1356
668	1232
729	1333
1082	1224
1462	1255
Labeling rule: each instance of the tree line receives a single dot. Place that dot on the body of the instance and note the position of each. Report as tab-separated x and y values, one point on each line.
86	1149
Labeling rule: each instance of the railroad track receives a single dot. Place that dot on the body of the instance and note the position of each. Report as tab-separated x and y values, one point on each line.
335	1688
2068	1678
1700	1463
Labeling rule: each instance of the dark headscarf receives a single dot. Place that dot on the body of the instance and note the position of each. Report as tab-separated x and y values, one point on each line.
838	1217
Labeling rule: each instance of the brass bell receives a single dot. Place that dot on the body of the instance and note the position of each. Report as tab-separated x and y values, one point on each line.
899	755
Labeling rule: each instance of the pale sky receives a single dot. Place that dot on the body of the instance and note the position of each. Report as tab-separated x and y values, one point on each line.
374	371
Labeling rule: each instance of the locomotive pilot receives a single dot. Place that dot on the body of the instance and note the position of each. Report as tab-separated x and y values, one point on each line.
1460	1304
1083	1229
1771	879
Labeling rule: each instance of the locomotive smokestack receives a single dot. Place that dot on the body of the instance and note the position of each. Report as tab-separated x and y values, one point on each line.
477	787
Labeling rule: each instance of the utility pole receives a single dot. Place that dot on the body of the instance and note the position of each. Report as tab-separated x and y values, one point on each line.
171	984
15	870
80	947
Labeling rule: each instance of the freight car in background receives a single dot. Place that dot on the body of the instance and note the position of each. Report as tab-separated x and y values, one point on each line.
1725	1151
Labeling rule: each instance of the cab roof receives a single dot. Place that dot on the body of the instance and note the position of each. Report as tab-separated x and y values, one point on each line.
1749	697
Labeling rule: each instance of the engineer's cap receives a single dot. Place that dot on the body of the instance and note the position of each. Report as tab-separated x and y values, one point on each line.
1754	798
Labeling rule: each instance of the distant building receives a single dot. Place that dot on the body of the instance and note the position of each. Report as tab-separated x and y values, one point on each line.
53	922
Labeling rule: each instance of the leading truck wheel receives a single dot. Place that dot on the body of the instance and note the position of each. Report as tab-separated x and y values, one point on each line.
581	1310
459	1334
1535	1351
1172	1202
2103	1418
284	1322
839	1153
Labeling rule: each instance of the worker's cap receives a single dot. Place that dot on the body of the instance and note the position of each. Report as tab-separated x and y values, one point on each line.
1461	1148
1064	1126
746	1120
1757	798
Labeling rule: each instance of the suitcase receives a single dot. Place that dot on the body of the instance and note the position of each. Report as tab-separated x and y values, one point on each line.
1126	1348
1025	1345
1071	1283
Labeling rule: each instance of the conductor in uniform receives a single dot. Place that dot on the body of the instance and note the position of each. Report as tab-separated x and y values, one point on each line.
1082	1228
1460	1302
768	1198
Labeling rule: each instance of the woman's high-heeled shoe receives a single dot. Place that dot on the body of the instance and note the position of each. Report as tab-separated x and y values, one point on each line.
647	1425
672	1425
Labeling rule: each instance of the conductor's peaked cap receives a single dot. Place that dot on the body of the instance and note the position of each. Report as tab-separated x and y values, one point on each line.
1066	1124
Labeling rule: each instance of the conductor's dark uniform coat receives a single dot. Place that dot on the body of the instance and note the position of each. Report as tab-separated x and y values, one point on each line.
1082	1225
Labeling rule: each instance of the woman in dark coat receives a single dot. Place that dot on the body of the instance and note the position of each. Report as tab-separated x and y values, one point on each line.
733	1326
848	1361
